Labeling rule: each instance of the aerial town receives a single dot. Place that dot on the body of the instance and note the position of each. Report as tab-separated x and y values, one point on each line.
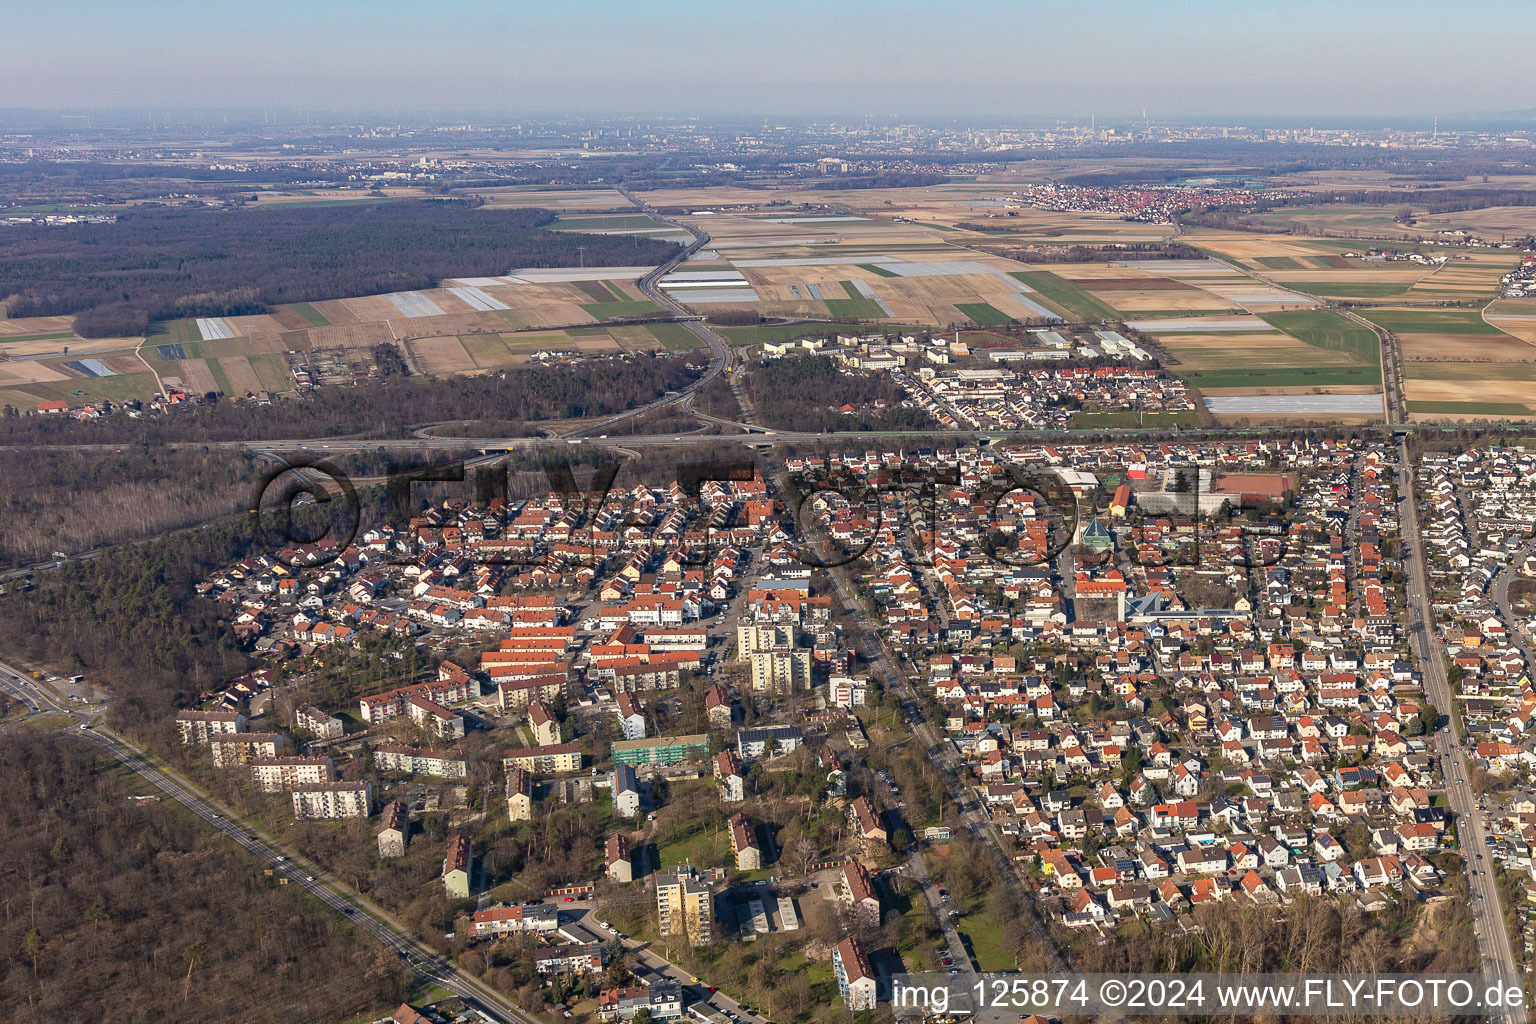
560	514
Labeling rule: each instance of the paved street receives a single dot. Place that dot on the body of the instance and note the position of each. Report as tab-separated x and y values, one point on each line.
1495	953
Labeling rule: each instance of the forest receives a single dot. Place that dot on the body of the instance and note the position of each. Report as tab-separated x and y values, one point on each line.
805	392
385	408
135	912
160	264
134	622
75	501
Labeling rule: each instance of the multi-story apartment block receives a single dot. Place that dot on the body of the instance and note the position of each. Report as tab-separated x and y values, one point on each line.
230	749
332	800
749	856
626	791
855	980
551	760
660	749
631	718
381	707
395	829
730	776
436	720
276	774
772	739
457	862
200	726
317	723
540	919
392	757
619	866
546	730
685	906
519	795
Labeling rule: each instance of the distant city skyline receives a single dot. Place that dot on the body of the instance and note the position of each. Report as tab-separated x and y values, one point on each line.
984	58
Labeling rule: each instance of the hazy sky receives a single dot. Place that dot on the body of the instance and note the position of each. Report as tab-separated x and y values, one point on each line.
791	58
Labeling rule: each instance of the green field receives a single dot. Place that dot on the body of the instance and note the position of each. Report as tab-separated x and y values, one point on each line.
1469	371
601	291
984	313
1278	262
674	337
220	377
485	349
1471	409
1432	321
620	222
173	332
311	315
860	308
629	307
1284	377
90	389
1331	331
1360	289
273	372
878	270
1069	300
983	934
5	339
1126	418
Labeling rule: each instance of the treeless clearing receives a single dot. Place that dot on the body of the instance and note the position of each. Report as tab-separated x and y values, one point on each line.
354	335
1236	351
28	371
1295	389
37	325
1525	330
1298	418
196	376
338	313
1465	347
452	323
259	324
441	355
1519	392
241	376
1129	301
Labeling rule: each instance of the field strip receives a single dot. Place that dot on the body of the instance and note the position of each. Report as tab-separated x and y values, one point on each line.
213	328
478	299
1199	326
816	261
414	304
865	290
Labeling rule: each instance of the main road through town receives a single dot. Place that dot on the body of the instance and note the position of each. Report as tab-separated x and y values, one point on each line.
1495	954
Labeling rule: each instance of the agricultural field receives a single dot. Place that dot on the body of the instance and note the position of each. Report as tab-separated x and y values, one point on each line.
42	359
1457	364
1298	352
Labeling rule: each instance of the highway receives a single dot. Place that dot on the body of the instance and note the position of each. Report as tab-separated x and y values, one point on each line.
424	962
1495	954
719	348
